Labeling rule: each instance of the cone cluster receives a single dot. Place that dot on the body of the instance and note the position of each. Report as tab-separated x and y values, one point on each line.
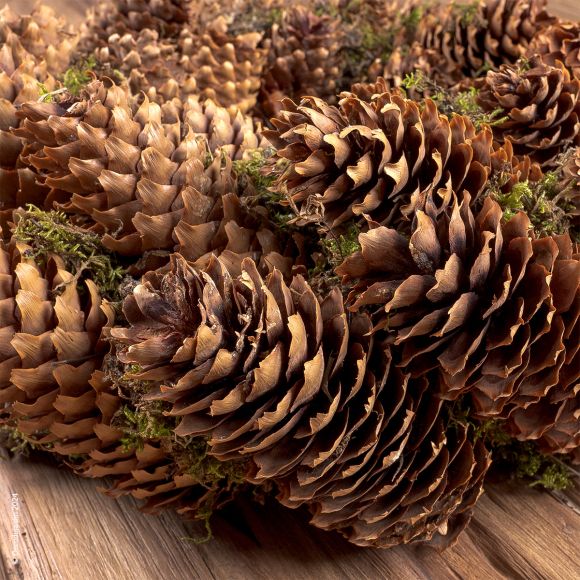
336	302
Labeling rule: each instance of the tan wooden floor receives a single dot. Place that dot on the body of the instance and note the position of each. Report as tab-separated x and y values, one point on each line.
68	531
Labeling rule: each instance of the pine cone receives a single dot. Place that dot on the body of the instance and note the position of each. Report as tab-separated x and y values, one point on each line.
227	67
542	106
559	42
32	50
303	58
486	303
41	34
166	17
271	374
379	158
125	171
470	37
51	337
159	470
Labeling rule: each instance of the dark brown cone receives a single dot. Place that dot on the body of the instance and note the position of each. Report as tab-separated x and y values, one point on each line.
271	374
559	42
380	158
51	346
554	420
32	49
542	106
166	17
303	58
143	176
468	39
484	302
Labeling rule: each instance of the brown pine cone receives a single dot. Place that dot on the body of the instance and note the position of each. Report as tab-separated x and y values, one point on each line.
470	37
32	49
379	158
144	460
43	36
559	42
484	302
166	17
303	58
51	346
227	67
540	104
271	374
148	63
143	176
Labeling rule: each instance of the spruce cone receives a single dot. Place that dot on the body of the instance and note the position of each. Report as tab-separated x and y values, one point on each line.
379	158
559	42
32	50
157	469
271	374
51	346
227	67
542	106
166	17
303	58
126	172
494	33
485	303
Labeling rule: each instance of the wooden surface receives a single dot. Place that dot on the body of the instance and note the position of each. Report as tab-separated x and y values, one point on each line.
70	531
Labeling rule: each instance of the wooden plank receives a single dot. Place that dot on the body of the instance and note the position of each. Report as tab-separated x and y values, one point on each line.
69	531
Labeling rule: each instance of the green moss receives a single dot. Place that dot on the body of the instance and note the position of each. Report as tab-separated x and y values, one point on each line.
339	247
17	443
256	184
522	458
544	202
142	424
51	233
449	103
77	77
466	13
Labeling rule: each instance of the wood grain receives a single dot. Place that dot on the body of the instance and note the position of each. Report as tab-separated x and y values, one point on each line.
69	531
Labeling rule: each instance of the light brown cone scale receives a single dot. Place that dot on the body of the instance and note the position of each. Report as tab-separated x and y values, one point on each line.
484	302
379	156
51	346
303	58
145	177
227	67
271	374
541	106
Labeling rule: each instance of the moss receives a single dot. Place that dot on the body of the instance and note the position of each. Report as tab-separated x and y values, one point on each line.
339	247
256	181
522	459
449	103
467	13
51	233
142	424
545	202
78	76
17	443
